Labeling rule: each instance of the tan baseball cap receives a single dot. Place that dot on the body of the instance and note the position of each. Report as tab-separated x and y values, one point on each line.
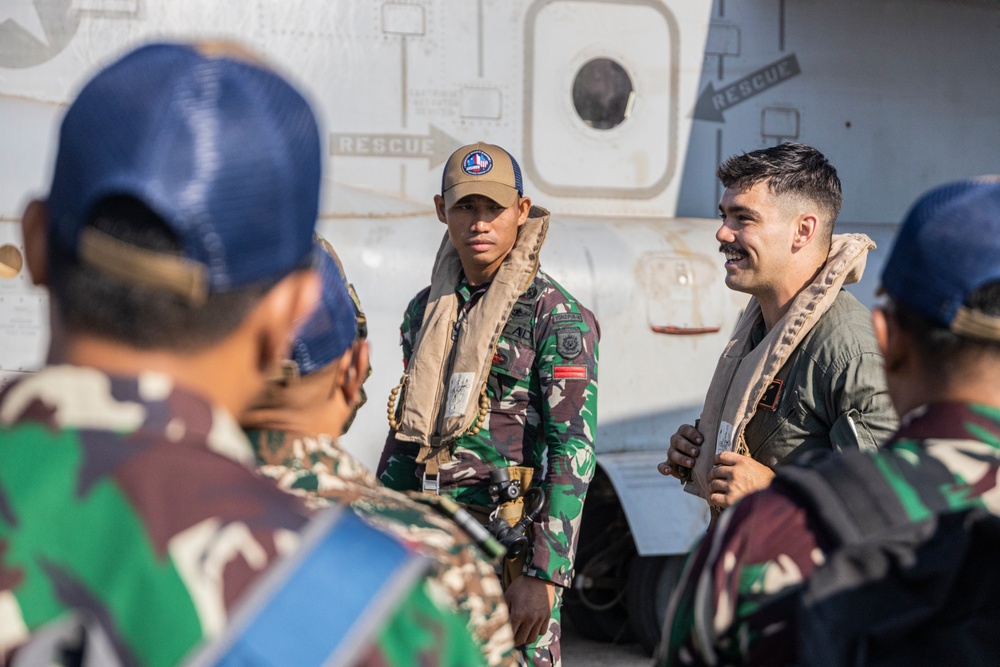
481	169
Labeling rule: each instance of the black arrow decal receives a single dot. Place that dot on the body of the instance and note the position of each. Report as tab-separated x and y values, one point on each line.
712	103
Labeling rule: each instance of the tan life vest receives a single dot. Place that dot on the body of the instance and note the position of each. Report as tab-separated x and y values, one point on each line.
743	374
444	376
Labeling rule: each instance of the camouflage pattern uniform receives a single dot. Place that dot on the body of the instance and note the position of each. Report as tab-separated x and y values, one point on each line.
542	391
734	605
318	470
134	500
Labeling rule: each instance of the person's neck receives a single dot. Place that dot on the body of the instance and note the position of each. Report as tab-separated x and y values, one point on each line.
293	420
476	277
971	387
221	375
775	302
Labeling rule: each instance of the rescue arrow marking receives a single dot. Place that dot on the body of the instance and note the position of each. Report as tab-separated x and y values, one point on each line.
436	145
712	103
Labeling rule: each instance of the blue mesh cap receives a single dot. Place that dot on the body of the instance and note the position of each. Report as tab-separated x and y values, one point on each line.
947	247
332	327
221	148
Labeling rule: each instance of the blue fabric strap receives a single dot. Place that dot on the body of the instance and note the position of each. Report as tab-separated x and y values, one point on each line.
322	605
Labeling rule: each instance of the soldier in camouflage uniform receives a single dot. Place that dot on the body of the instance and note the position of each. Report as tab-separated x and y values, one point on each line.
518	358
132	526
289	427
939	330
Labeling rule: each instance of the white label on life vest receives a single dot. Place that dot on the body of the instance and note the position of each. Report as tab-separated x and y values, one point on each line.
724	442
459	391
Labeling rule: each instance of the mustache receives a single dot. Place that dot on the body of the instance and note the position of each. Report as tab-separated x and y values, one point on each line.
731	247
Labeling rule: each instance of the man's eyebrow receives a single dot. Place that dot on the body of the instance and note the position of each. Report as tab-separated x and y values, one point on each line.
736	209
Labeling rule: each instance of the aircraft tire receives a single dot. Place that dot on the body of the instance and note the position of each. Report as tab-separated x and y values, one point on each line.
596	604
651	581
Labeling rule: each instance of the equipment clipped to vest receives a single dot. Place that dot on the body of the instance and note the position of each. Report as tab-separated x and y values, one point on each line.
449	508
506	493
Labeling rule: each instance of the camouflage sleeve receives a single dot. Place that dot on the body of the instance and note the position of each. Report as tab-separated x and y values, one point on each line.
314	468
397	467
423	633
732	605
566	362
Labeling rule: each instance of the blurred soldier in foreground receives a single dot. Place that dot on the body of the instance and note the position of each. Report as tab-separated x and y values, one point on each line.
177	243
500	382
802	370
293	428
886	558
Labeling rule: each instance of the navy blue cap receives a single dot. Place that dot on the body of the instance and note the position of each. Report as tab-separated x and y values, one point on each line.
221	148
332	327
947	247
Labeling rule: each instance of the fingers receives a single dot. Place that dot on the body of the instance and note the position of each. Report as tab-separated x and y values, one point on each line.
720	500
535	631
517	621
528	629
719	488
541	628
689	432
520	633
728	458
683	451
529	601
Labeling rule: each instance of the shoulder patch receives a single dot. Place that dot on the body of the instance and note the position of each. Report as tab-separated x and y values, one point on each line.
569	372
569	342
520	332
563	318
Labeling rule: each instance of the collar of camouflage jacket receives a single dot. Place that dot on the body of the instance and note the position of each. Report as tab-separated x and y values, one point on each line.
78	397
743	374
445	379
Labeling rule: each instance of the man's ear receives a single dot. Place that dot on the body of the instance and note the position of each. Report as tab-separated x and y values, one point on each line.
440	208
524	208
280	311
35	230
890	340
356	372
806	226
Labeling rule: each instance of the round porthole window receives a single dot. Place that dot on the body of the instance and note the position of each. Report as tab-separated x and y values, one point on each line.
603	94
10	261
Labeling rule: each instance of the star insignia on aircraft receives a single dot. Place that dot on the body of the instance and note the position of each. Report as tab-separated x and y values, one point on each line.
24	14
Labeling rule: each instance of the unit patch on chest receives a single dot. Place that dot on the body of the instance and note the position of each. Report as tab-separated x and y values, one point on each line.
769	401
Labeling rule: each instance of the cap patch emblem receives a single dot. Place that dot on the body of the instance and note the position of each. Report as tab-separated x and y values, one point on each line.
477	163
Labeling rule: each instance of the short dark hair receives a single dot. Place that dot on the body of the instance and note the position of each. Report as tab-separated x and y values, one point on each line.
93	302
789	168
941	350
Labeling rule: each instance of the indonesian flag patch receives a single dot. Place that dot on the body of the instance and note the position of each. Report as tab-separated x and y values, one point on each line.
569	372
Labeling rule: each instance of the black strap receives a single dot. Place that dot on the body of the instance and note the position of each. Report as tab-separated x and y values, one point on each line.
847	493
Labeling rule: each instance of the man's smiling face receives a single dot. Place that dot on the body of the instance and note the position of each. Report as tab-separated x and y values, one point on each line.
756	238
